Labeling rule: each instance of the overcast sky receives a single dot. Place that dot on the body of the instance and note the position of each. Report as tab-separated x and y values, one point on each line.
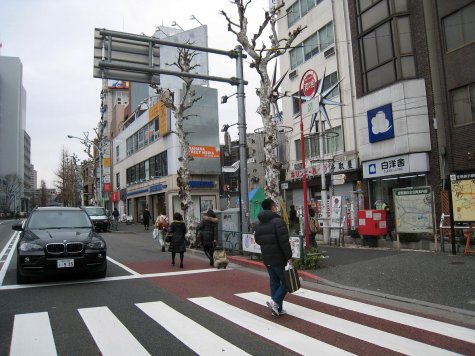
54	41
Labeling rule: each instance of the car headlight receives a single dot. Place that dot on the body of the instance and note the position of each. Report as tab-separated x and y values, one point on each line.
96	244
29	247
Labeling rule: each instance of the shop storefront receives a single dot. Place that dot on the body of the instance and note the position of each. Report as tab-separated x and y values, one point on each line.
384	175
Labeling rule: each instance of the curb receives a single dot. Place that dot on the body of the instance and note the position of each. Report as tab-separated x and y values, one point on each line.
259	264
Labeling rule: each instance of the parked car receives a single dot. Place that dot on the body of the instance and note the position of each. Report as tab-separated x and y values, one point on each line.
59	240
99	217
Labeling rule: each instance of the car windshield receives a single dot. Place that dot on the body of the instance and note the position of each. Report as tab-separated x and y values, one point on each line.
58	220
95	211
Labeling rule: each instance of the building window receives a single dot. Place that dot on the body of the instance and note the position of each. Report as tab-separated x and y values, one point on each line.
117	181
330	80
334	142
293	13
459	27
463	105
386	51
299	9
312	46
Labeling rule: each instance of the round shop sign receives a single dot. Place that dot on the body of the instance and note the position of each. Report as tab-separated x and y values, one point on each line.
310	84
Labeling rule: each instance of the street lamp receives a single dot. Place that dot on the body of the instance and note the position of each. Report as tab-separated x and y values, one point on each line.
193	17
86	141
177	25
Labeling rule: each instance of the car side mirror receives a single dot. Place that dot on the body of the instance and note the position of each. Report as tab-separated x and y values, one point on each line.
17	227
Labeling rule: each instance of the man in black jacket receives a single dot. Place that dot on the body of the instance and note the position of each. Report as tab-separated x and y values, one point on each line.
209	231
272	235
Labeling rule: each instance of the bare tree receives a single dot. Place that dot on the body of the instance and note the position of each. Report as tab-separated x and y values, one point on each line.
43	194
188	98
67	182
261	56
11	189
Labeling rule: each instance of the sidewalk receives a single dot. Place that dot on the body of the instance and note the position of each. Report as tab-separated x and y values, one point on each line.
422	277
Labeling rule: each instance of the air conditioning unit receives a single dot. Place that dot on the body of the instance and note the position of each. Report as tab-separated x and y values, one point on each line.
293	74
329	52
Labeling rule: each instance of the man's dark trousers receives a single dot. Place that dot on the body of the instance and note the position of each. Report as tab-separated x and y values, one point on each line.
277	284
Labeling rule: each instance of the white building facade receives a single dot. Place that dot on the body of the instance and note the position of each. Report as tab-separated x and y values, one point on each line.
324	46
146	153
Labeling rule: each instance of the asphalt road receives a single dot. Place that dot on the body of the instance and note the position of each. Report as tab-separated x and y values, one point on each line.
147	306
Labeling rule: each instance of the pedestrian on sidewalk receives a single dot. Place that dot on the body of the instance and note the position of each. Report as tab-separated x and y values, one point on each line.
162	225
146	218
293	220
389	223
208	227
273	237
313	226
115	215
176	236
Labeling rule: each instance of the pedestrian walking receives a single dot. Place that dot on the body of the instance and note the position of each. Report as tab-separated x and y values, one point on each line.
293	219
208	228
273	237
162	225
115	215
146	218
389	223
313	226
176	237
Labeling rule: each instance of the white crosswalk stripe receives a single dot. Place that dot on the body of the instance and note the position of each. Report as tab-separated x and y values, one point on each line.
362	332
438	327
281	335
193	334
33	335
110	335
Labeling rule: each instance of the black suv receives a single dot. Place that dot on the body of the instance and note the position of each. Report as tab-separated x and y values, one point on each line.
58	240
99	217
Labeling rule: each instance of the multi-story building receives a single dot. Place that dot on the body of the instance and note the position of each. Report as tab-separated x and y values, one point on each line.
324	46
27	168
451	47
146	152
12	122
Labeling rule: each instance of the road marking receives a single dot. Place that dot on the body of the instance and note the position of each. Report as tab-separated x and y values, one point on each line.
276	333
32	335
131	271
11	244
110	335
196	337
350	328
438	327
114	279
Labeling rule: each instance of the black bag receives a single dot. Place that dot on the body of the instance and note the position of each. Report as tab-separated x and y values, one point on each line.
168	238
292	280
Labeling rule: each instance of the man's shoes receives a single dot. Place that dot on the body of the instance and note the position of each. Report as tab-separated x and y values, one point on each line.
181	265
274	307
283	312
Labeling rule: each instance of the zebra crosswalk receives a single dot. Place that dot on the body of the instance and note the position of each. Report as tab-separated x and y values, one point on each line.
33	334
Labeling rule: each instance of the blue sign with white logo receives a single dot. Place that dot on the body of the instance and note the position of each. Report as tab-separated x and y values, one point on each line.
380	123
372	169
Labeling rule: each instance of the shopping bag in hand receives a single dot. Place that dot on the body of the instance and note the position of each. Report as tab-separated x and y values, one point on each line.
292	280
155	233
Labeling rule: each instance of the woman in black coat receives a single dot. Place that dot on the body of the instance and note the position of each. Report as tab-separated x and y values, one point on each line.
209	233
177	231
